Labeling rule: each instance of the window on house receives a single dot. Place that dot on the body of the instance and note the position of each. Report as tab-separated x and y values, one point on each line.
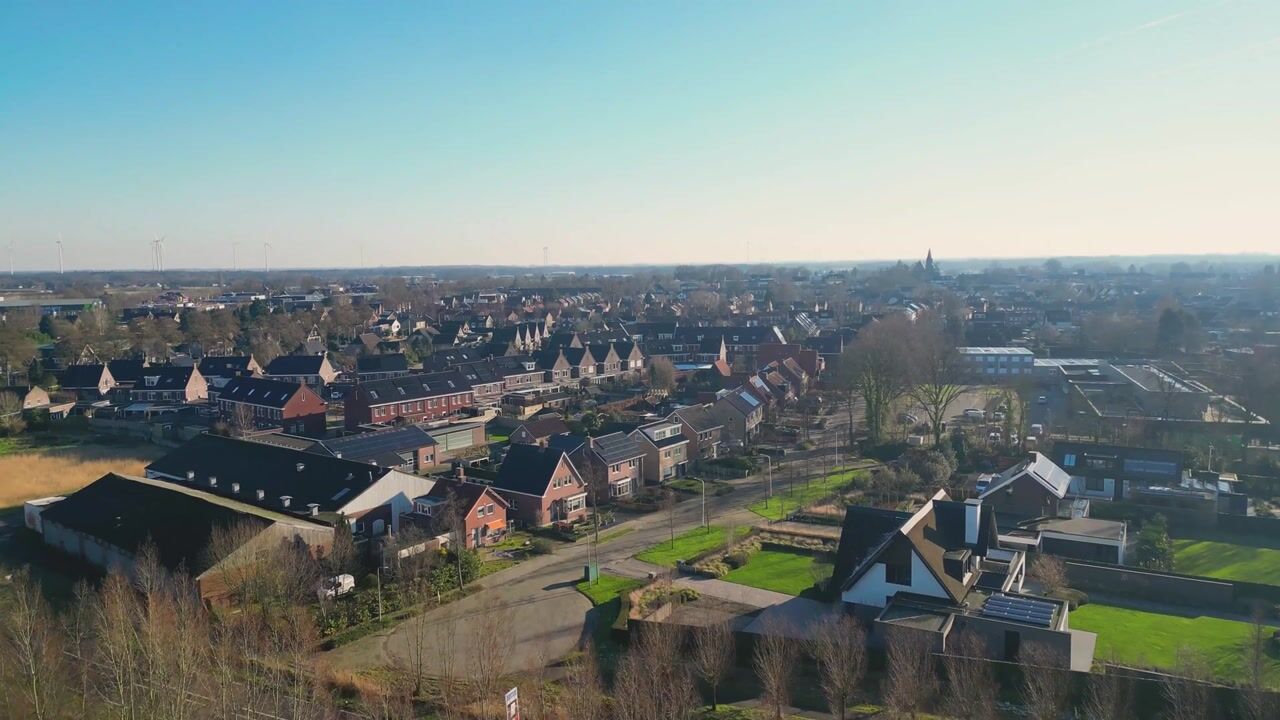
1094	484
1069	460
489	509
898	573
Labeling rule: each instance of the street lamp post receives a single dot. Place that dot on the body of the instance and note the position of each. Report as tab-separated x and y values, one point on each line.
769	470
704	502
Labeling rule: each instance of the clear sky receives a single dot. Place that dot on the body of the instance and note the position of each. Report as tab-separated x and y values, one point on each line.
632	132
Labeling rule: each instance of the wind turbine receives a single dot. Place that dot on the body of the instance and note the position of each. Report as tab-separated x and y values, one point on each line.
234	245
10	257
266	257
60	267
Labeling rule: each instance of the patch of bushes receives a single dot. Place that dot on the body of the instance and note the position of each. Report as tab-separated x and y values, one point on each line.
542	546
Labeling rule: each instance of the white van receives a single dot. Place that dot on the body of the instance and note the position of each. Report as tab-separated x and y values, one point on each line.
975	414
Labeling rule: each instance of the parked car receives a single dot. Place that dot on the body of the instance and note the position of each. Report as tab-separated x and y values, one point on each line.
997	416
1037	429
1042	400
975	414
336	586
908	419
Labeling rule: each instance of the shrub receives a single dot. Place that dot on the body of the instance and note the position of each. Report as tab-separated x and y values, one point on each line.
542	546
737	559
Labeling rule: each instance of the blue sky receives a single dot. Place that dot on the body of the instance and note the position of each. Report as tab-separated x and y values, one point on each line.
436	132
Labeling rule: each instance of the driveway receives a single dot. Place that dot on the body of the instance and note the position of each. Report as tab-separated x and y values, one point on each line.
548	617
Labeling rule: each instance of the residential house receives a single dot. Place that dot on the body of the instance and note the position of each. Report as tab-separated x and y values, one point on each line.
666	450
313	370
741	412
108	522
90	383
249	402
382	367
482	511
32	397
1033	488
940	572
411	398
702	429
537	432
1114	472
611	464
171	384
126	372
294	482
229	366
408	448
541	485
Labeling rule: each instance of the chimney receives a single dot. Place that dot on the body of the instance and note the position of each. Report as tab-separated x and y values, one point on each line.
213	481
261	494
191	475
235	487
460	473
313	509
285	500
972	513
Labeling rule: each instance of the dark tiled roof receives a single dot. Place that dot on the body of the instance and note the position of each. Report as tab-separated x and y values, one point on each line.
260	391
225	366
382	447
468	492
413	387
130	512
699	418
167	377
546	428
383	363
82	376
325	481
528	469
126	371
296	365
568	443
865	529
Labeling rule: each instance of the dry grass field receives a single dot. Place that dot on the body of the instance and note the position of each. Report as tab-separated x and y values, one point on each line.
43	472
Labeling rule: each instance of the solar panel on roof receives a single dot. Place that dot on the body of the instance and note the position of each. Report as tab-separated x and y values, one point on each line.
751	399
1019	609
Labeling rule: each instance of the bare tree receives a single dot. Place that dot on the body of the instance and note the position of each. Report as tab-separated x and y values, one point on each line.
1045	682
651	682
713	649
876	368
911	681
1186	694
1050	572
939	371
1255	700
491	648
774	661
971	682
34	646
838	645
583	696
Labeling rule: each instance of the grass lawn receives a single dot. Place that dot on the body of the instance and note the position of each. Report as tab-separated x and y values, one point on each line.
688	544
779	570
1227	561
606	595
1152	639
784	502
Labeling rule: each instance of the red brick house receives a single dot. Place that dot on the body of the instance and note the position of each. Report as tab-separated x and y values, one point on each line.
483	510
611	464
541	485
273	403
412	398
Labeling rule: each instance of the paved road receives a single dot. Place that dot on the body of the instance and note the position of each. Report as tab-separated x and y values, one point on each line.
549	618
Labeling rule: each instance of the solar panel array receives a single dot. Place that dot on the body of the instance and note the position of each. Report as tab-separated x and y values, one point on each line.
1019	609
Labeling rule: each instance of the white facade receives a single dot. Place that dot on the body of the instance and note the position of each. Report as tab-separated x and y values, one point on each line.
874	590
397	489
998	363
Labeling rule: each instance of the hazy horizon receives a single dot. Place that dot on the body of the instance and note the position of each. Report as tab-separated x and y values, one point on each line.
628	135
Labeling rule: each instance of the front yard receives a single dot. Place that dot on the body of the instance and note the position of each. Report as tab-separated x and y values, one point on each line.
1134	637
782	571
1227	561
688	544
787	499
606	595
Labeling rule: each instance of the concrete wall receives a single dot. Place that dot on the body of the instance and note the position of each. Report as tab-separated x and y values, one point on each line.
1150	585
